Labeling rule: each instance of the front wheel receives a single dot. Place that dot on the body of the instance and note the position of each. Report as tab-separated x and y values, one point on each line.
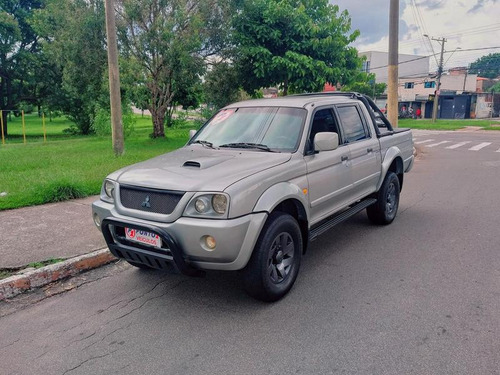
275	262
384	211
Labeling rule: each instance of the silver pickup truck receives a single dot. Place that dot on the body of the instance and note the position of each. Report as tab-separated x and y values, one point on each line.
254	186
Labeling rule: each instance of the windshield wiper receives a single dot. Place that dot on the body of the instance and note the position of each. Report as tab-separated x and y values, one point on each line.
258	146
204	143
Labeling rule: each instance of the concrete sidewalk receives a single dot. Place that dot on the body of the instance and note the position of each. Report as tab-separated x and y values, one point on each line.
56	230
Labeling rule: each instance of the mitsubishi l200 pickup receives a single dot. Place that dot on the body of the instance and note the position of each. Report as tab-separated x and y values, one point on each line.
254	186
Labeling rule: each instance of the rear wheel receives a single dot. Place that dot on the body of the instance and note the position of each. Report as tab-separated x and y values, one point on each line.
384	211
275	262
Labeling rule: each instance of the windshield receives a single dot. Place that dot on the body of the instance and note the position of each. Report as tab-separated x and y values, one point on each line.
256	128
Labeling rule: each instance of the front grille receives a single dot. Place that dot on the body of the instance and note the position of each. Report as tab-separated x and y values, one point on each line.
150	200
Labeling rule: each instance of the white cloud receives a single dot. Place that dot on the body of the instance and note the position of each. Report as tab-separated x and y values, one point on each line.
467	24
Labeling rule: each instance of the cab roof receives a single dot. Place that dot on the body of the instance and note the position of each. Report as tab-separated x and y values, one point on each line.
299	101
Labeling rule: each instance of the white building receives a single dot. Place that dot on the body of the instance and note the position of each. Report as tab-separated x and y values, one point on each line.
419	88
409	65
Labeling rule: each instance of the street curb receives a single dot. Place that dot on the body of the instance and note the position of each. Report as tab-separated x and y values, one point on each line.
17	284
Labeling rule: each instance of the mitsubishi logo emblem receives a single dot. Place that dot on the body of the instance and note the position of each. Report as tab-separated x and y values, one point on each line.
146	203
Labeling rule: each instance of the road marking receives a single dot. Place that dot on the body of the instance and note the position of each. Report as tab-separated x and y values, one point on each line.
458	145
480	146
439	143
427	140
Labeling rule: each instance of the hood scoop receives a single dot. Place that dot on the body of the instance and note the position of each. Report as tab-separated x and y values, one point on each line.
191	163
204	162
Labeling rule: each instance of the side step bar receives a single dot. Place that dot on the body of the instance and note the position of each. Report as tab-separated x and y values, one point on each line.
329	224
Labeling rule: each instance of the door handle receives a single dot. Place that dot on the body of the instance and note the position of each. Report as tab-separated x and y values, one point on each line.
344	158
369	150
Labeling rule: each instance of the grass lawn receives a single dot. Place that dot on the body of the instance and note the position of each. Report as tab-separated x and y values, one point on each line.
70	166
445	124
34	130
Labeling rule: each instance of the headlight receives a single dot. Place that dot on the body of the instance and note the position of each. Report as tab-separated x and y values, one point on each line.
202	205
208	205
219	203
109	188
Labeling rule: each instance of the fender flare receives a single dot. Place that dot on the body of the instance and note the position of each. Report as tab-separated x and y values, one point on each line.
391	154
278	193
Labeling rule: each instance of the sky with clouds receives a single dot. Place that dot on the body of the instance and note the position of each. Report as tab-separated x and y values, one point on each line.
466	24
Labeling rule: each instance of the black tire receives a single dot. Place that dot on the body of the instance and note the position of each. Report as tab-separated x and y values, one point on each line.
272	270
139	265
384	211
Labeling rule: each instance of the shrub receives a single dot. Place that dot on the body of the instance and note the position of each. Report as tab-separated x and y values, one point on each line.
180	120
26	107
60	191
102	121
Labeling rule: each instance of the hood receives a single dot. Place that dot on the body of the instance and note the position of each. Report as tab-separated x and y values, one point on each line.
196	168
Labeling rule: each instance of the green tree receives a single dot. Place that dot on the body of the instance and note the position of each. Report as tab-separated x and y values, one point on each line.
167	40
18	49
186	86
365	84
298	45
486	66
221	85
495	88
73	39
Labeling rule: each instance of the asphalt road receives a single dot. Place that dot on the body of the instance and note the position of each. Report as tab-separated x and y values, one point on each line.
421	296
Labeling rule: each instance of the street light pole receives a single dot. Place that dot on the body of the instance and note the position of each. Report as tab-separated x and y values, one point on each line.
440	72
114	80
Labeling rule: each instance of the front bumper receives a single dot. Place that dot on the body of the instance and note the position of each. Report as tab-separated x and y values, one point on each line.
182	239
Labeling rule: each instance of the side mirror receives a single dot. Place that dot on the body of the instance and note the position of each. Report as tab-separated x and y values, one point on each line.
326	141
192	132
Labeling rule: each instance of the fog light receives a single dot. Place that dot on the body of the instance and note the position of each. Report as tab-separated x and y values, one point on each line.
97	221
210	242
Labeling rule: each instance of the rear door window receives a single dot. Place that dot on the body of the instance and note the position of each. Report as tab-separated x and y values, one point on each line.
352	124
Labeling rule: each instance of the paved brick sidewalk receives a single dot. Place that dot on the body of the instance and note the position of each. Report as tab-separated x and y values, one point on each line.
56	230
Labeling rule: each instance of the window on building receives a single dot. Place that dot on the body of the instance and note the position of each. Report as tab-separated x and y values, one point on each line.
409	85
430	85
365	67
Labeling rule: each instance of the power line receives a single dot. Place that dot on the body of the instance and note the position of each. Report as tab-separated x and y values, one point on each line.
474	30
456	34
424	28
425	57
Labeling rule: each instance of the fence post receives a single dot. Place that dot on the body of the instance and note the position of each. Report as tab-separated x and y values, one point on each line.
44	130
1	126
24	127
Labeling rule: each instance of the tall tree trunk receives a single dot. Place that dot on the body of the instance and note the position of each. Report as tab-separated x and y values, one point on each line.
4	115
160	100
158	117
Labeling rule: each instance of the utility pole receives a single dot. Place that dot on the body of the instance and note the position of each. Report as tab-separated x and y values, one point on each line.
392	87
465	79
114	80
440	71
